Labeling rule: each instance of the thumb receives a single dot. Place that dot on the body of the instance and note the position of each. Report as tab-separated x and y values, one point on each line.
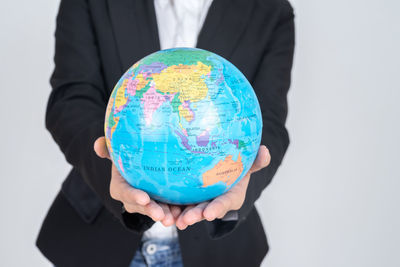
262	160
100	148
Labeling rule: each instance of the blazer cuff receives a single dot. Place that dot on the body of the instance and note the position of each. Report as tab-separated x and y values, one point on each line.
136	222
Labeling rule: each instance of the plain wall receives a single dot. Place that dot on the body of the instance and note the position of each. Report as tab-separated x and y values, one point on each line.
333	202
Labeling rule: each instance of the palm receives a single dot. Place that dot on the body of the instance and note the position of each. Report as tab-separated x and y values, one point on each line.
136	200
231	200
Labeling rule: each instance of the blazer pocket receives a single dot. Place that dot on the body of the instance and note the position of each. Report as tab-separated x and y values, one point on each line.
84	200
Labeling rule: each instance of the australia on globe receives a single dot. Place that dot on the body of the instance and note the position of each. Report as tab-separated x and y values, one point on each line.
183	125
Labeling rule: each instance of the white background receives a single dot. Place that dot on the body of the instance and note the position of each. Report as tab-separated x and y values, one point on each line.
334	201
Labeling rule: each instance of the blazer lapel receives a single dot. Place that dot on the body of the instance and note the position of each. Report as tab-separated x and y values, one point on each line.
224	24
135	29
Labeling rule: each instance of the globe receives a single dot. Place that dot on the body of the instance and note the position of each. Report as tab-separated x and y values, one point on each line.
183	125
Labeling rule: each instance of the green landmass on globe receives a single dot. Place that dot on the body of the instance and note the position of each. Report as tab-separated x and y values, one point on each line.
184	125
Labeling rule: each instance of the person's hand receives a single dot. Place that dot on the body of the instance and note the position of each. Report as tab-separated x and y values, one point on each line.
231	200
135	200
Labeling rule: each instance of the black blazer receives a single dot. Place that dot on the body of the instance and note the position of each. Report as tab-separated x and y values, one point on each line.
96	41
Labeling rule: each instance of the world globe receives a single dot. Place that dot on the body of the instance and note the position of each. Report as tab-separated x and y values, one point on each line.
183	125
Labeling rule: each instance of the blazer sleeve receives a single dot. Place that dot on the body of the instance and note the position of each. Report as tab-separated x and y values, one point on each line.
271	85
77	103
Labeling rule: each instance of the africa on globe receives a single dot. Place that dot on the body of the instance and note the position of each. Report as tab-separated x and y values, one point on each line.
183	125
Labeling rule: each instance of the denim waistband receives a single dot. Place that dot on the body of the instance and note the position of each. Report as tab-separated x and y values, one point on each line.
159	252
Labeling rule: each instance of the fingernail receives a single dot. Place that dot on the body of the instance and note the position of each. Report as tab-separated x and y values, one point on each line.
144	200
208	217
141	201
188	222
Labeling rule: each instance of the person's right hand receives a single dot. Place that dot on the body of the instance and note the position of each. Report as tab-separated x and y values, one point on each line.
135	200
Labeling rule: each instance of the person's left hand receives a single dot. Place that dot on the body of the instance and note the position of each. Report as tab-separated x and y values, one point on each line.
231	200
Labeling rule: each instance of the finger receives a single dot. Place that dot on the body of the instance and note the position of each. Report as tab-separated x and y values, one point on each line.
134	196
133	208
150	210
195	214
168	218
219	206
100	148
180	223
262	160
121	190
154	211
241	187
231	200
175	210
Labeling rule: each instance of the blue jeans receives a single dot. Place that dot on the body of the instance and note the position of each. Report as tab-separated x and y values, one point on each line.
158	253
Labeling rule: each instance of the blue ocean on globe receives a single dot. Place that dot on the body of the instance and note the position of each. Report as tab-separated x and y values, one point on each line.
183	125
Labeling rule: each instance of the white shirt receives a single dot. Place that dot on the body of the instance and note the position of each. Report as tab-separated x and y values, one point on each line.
179	23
